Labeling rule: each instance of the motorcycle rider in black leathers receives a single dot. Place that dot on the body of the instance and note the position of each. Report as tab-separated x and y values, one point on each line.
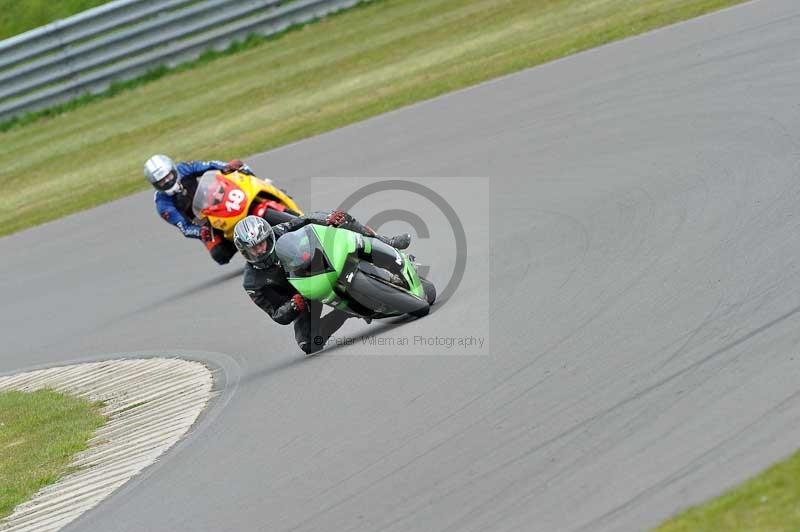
266	284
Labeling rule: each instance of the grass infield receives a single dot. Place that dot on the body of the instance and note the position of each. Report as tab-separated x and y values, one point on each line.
40	432
367	61
768	502
17	16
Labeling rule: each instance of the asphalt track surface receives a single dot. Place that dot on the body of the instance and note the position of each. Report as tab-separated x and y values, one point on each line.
644	315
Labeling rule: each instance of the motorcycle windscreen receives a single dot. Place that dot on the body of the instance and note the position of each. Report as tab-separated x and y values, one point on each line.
217	195
301	254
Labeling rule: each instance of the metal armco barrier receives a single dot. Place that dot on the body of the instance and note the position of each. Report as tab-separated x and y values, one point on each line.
126	38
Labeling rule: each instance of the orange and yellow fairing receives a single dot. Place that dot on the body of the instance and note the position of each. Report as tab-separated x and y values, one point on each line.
224	199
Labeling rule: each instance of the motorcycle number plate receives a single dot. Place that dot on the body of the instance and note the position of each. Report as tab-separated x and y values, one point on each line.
226	199
235	201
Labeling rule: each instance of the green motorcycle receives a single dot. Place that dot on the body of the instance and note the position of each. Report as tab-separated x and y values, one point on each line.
353	273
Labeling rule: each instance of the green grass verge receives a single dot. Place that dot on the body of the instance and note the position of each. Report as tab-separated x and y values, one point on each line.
17	16
369	60
40	432
768	502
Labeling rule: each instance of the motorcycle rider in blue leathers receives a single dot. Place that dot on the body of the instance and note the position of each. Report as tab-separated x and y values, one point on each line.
175	186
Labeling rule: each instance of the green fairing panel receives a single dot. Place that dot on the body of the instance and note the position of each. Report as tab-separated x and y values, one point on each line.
413	278
316	288
336	244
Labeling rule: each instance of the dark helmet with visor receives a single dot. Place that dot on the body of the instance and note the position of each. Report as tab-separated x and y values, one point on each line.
255	239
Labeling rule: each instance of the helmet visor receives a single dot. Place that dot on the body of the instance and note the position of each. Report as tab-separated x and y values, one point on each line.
261	251
166	182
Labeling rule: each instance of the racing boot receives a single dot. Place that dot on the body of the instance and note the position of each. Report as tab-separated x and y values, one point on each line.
401	241
346	221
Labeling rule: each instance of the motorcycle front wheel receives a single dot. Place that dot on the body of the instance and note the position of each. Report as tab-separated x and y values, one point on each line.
378	295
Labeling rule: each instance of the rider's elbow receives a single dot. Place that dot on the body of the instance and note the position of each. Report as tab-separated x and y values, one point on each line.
281	318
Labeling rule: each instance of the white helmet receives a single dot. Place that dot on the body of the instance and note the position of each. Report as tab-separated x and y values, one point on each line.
162	173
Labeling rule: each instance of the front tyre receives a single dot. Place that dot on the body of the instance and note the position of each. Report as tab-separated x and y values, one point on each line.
430	295
430	290
383	297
